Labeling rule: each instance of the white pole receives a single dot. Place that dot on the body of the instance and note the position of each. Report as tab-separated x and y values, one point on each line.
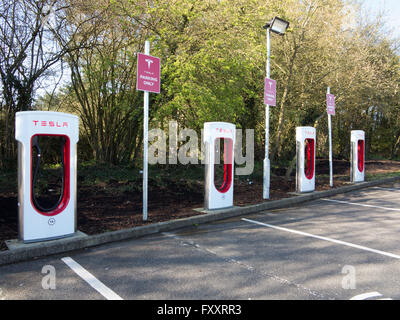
330	146
267	165
145	141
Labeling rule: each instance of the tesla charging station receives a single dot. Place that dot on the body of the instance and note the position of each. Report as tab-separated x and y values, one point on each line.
217	134
305	166
357	156
39	220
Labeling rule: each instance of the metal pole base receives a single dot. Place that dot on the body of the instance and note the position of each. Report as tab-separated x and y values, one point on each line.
266	180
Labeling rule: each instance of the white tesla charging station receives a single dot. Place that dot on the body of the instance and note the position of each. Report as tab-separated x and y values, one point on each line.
357	156
305	165
219	196
36	221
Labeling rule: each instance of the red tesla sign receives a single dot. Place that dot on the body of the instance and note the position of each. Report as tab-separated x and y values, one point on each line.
330	104
148	73
270	92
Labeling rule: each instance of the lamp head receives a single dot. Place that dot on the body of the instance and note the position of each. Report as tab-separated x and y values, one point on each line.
277	25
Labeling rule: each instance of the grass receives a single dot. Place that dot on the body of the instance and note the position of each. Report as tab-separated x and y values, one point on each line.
377	176
124	178
8	181
117	179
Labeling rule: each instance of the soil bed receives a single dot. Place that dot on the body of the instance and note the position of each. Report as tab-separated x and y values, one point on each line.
99	211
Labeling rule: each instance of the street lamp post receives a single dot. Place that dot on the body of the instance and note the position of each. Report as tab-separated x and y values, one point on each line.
279	26
267	164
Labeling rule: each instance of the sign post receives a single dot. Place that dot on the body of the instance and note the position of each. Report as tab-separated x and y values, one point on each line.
330	109
148	80
269	100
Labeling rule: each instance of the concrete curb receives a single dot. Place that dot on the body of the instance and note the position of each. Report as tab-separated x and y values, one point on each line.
70	244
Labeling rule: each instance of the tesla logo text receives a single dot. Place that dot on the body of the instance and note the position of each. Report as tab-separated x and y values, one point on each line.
149	62
45	123
223	130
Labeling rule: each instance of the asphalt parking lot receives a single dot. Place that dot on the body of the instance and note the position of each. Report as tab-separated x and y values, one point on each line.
345	247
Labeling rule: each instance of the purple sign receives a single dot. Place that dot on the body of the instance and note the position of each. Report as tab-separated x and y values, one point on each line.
330	104
270	92
148	73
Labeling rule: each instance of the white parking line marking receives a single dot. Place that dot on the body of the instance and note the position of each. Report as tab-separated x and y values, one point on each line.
361	205
388	254
187	242
387	189
367	295
91	279
380	194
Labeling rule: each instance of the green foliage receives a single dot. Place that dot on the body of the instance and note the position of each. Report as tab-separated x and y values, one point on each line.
8	181
213	57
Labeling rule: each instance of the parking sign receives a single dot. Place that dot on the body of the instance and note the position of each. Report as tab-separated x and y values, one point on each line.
270	92
148	73
330	104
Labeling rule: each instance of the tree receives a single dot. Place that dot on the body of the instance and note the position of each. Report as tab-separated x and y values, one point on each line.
103	83
28	51
213	56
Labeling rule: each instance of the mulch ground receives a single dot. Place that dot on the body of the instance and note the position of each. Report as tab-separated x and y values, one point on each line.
98	211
